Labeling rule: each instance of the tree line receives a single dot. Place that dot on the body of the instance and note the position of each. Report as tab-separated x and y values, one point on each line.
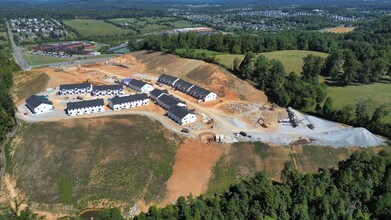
7	68
362	56
359	189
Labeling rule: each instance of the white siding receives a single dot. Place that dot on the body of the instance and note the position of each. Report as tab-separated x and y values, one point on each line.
211	96
126	105
43	108
87	110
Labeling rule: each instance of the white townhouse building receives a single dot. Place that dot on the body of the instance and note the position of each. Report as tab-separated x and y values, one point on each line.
131	101
140	86
167	79
105	90
39	104
188	88
167	101
156	93
85	107
181	115
202	94
71	89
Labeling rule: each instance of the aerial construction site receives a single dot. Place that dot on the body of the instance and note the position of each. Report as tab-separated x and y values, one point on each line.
240	113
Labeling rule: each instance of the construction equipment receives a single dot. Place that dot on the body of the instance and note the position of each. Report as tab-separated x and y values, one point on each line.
115	79
185	130
88	81
292	117
269	106
262	123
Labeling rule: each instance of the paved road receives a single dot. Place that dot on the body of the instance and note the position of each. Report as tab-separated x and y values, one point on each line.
73	63
17	51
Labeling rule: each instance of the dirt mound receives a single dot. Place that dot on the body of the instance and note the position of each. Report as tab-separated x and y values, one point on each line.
207	75
192	170
350	137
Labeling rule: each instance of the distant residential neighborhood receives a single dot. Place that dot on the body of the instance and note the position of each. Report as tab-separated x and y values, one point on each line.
37	28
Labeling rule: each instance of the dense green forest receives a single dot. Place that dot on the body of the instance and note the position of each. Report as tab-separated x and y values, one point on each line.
7	68
359	189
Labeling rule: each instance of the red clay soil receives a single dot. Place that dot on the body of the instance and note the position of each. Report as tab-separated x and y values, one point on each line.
193	169
207	75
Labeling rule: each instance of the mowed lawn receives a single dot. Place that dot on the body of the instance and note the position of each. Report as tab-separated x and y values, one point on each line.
291	59
376	94
91	27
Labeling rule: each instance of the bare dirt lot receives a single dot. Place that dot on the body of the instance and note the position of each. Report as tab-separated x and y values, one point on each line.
194	162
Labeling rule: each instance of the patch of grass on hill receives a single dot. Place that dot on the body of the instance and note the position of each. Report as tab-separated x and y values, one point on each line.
244	159
92	27
291	59
27	83
376	94
224	175
119	158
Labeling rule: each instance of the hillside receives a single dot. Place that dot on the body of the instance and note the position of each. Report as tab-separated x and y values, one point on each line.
121	160
205	74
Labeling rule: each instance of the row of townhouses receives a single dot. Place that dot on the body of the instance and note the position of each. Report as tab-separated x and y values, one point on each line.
104	90
188	88
176	109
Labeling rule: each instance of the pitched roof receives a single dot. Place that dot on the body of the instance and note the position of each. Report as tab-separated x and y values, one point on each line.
199	91
130	98
85	104
166	77
169	100
179	111
107	87
36	100
183	84
75	86
157	92
137	83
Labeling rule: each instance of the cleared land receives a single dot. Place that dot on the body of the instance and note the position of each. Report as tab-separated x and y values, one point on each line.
291	59
119	159
338	30
244	159
376	94
91	27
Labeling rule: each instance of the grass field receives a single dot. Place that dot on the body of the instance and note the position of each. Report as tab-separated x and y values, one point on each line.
152	24
338	30
291	59
244	159
120	158
36	60
3	42
90	27
376	94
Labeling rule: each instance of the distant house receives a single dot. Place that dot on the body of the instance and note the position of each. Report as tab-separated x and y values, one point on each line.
70	89
202	94
156	93
167	101
39	104
167	79
183	86
140	86
107	90
85	107
181	115
130	101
